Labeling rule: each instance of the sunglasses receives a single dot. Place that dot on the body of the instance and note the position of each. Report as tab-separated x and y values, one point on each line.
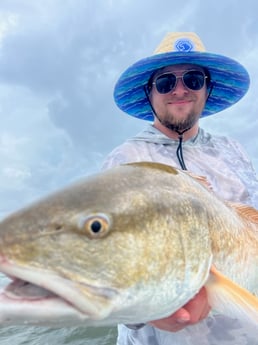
193	80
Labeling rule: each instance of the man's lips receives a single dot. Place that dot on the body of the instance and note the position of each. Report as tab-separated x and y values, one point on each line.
180	101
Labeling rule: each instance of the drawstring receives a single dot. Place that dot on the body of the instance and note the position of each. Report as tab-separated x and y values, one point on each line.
179	150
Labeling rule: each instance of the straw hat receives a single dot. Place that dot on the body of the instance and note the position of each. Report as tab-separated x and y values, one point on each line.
229	78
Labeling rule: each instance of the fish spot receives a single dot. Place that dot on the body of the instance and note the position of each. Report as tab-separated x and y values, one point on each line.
96	225
58	227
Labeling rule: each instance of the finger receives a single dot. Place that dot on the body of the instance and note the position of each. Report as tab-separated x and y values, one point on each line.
173	323
205	312
181	316
198	307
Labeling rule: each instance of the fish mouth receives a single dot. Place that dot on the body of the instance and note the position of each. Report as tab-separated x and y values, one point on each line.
29	286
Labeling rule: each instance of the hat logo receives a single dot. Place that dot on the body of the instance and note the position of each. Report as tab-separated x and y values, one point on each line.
184	45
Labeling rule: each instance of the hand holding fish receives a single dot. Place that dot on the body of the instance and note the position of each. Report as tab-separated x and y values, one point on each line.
194	311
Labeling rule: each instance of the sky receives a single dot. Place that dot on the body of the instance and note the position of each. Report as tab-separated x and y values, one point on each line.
59	61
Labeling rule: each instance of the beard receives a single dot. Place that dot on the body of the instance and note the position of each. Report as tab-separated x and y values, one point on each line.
177	125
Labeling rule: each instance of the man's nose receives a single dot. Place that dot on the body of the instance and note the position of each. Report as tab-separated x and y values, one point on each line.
180	87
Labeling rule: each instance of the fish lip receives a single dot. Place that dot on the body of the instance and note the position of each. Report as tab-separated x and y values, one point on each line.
78	295
16	290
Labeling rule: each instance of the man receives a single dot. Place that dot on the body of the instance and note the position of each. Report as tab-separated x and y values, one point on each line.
175	87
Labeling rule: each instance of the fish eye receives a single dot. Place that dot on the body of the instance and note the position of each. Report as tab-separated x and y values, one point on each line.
96	226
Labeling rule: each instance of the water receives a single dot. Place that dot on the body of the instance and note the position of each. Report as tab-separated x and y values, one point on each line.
46	336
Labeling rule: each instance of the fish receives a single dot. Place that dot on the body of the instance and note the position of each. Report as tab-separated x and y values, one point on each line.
130	244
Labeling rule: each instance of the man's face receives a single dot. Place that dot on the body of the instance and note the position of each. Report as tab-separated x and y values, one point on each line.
180	108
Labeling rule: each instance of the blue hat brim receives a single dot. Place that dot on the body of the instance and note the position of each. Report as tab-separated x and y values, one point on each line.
230	81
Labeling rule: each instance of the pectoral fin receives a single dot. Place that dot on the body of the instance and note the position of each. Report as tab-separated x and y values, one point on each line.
230	299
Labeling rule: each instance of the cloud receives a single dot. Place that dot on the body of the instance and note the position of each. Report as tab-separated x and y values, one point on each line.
59	62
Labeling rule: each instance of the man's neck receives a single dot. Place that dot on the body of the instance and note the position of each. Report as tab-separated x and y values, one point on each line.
191	133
